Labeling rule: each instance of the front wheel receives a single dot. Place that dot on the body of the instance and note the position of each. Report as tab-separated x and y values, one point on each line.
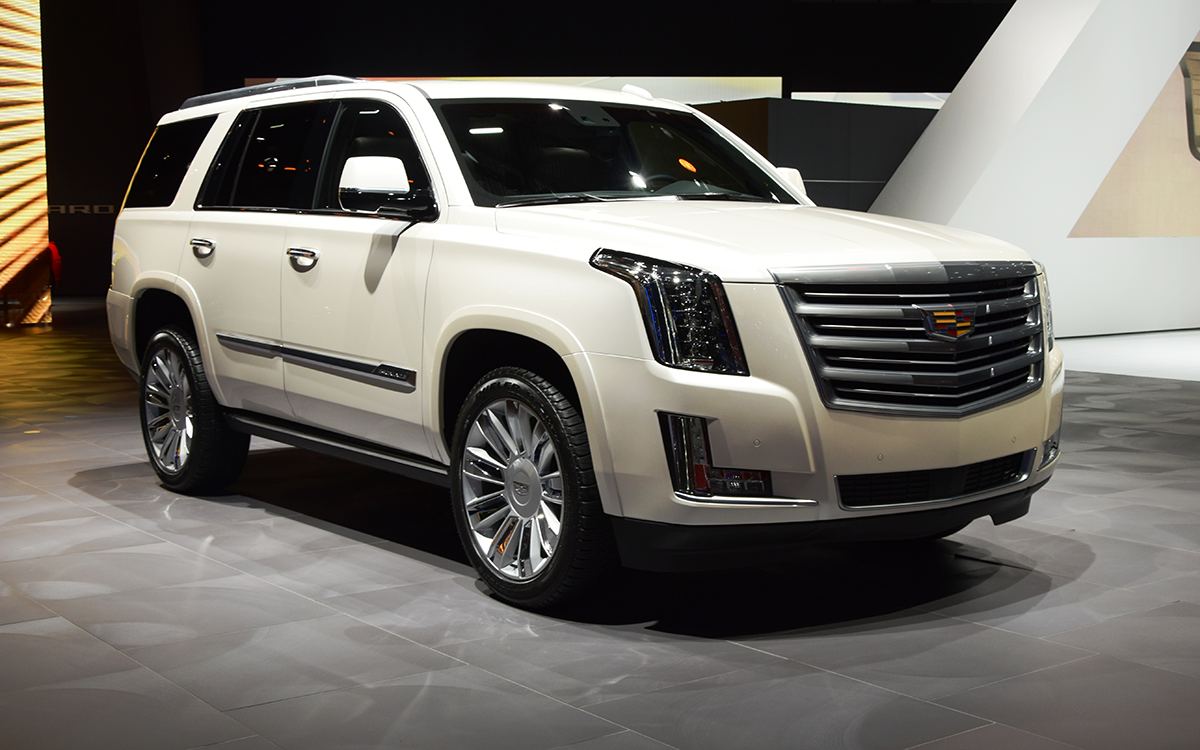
524	493
190	446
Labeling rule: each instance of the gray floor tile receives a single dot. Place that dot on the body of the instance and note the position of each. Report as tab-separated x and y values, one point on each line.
37	508
1050	502
1096	559
439	613
130	710
250	667
1085	480
47	651
153	508
74	576
1038	604
1149	524
626	740
784	705
1098	703
148	617
16	607
919	654
1167	638
346	570
246	743
997	737
29	452
583	666
1181	588
262	538
66	536
453	708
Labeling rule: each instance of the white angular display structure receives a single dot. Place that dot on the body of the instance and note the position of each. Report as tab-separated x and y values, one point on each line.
1029	136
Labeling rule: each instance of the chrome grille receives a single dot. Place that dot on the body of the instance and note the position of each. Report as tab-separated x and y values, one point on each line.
872	335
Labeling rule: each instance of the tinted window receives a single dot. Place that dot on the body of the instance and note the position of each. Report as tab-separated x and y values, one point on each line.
165	162
370	128
270	159
542	151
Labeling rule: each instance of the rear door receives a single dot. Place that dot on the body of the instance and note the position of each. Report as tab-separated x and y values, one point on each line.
265	172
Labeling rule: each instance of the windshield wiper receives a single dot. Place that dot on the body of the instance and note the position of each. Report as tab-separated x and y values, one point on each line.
713	196
549	200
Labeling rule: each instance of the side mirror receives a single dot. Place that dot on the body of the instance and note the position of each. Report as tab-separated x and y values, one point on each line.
379	185
369	183
792	177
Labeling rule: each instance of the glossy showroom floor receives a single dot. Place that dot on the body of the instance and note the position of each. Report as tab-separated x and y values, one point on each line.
322	605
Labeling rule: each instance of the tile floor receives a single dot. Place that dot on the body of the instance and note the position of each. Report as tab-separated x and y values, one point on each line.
318	604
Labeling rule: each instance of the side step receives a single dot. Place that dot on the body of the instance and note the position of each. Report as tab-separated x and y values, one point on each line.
341	446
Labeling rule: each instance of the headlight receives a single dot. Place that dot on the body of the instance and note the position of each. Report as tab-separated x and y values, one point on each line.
1047	310
687	315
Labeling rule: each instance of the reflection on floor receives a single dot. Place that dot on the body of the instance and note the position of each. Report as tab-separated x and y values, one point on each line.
322	605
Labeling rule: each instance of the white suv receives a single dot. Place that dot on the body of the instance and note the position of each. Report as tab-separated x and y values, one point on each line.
613	330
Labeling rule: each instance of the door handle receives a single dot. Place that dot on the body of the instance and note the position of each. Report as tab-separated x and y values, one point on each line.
302	259
202	248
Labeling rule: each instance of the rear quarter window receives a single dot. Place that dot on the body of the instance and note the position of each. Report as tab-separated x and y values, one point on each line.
165	162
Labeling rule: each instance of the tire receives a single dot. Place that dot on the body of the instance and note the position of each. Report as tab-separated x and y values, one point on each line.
190	446
535	549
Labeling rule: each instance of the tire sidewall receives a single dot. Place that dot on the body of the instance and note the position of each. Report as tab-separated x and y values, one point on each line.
166	338
510	383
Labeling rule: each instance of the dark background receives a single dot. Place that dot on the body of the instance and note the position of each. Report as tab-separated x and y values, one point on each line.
113	68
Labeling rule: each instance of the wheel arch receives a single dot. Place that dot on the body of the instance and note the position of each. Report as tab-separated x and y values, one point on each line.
477	344
154	308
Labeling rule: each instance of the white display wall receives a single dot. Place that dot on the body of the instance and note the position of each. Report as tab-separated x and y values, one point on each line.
1049	127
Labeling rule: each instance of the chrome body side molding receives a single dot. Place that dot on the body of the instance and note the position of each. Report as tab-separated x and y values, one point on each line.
383	375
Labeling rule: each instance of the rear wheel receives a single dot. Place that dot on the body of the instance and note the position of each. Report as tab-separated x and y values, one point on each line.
525	497
190	446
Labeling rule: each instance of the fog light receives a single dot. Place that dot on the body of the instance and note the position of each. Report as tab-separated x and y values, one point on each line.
692	472
1049	449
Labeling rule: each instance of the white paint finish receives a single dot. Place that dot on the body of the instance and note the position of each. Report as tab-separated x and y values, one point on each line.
525	271
743	241
236	291
1029	136
361	301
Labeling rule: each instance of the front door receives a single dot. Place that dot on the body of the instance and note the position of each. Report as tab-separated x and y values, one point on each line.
353	296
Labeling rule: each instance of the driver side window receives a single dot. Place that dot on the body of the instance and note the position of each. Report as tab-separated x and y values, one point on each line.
371	128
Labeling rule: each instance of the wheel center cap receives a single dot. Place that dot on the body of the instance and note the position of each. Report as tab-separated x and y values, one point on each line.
178	407
522	488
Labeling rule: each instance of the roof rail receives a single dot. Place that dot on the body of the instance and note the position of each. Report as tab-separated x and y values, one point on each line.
283	84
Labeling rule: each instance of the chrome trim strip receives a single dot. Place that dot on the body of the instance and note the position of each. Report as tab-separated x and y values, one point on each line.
762	502
381	375
907	273
249	345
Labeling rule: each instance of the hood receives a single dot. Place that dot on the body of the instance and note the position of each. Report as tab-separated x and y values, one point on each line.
745	241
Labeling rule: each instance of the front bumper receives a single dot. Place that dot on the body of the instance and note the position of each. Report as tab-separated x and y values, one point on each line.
673	548
774	420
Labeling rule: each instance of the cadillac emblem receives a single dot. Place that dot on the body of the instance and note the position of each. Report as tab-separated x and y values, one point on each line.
948	322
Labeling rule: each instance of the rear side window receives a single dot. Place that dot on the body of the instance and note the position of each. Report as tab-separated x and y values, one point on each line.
165	162
270	159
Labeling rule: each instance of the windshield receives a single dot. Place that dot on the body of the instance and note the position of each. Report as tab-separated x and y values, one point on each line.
528	152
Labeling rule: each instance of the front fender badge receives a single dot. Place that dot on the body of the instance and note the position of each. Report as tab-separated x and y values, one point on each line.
948	322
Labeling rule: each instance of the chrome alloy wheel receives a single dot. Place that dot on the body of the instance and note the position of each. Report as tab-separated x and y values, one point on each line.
512	489
169	411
